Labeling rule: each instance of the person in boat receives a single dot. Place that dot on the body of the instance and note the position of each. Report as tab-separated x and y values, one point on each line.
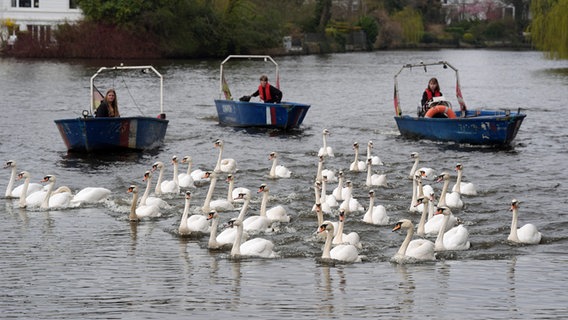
109	105
267	92
433	90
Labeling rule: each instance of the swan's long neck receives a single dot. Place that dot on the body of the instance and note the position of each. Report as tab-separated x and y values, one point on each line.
513	235
183	228
244	209
146	192
413	169
439	244
213	182
189	167
159	182
458	181
230	190
273	168
327	247
406	242
319	215
45	202
23	195
264	203
414	197
442	201
325	142
10	186
323	190
339	235
236	250
371	205
218	165
420	229
368	151
132	216
319	172
317	194
369	173
213	234
430	209
176	178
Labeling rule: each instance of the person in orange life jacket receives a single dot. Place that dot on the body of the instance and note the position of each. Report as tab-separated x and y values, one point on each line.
433	90
109	106
267	92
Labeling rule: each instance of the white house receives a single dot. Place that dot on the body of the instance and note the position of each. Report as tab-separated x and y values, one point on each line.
37	16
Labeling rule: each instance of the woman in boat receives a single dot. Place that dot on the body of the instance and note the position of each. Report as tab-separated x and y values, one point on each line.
109	106
267	92
433	90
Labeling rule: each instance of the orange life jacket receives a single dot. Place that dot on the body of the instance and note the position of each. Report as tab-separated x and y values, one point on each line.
264	92
431	94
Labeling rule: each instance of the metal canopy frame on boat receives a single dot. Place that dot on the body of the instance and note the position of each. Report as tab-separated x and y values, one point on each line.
222	81
122	67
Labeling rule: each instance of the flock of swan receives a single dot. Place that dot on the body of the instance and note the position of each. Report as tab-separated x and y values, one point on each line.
244	233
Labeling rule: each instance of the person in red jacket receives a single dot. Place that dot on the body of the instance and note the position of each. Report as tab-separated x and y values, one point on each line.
433	90
267	92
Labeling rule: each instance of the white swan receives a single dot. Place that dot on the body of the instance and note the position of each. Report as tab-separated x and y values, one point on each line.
235	192
425	202
217	205
379	180
138	212
526	234
227	165
257	247
166	186
419	249
276	213
278	171
227	237
325	151
375	160
429	173
417	191
452	200
196	223
357	165
146	199
34	199
329	199
323	206
90	195
12	192
60	198
342	252
350	204
340	192
342	238
375	214
465	188
324	172
260	223
185	179
457	238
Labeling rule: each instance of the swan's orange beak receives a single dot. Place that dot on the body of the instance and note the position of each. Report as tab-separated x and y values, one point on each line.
396	227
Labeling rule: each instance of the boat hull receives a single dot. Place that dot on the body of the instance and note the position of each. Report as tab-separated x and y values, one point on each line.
112	134
285	115
495	128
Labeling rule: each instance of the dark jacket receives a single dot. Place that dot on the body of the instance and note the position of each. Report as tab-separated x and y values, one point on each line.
102	110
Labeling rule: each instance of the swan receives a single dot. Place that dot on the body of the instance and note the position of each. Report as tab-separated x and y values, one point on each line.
419	249
32	200
329	199
185	179
227	165
166	186
342	238
429	173
12	192
453	239
260	222
256	247
325	150
227	236
527	234
235	192
425	202
375	214
324	206
465	188
278	171
140	212
217	205
324	172
452	200
357	165
350	204
193	223
90	195
379	180
342	252
146	199
60	198
340	192
277	213
415	193
375	160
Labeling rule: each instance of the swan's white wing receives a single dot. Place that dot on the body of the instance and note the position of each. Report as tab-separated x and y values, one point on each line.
345	252
529	234
198	223
258	247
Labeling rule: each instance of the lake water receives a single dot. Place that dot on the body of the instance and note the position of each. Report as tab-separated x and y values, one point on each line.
92	263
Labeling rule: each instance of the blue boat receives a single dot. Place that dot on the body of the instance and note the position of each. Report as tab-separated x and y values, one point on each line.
90	134
241	113
440	122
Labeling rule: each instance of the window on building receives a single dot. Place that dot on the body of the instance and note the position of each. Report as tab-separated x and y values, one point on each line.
36	3
72	4
25	4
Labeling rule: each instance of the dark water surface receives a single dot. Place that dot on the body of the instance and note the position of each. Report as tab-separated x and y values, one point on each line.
91	262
